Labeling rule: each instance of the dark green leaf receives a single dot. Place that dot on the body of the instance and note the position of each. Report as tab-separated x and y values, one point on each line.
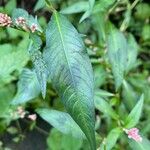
71	72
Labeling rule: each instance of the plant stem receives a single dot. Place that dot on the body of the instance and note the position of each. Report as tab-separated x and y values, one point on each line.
50	6
134	4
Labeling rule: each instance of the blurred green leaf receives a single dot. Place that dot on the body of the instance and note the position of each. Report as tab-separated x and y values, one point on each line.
61	121
111	139
129	95
142	11
6	94
28	87
134	116
146	32
117	53
77	7
144	145
39	4
88	11
132	51
99	75
10	6
104	107
57	137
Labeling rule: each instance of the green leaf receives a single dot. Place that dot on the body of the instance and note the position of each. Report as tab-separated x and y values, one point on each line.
39	4
142	11
144	145
6	94
28	87
134	116
80	6
103	6
103	93
71	72
99	76
13	61
10	6
146	32
104	107
132	52
61	121
117	53
38	62
57	137
129	95
98	21
89	11
111	139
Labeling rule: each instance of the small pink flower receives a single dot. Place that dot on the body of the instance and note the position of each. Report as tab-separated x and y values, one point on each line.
133	133
32	117
5	20
33	28
20	21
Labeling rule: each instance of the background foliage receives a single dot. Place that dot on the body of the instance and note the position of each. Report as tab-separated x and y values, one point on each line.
117	39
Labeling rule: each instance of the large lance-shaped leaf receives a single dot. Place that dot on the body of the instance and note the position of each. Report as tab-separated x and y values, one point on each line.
71	72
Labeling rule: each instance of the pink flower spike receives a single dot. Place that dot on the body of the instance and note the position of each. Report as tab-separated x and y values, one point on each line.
5	20
133	133
33	28
20	21
32	117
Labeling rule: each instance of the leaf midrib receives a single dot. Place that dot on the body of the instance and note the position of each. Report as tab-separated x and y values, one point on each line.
62	41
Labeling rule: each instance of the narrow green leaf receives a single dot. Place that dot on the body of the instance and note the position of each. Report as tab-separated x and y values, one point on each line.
132	52
144	145
89	11
6	95
28	87
10	6
61	121
135	114
103	93
104	107
80	6
38	62
111	139
117	53
71	72
39	4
